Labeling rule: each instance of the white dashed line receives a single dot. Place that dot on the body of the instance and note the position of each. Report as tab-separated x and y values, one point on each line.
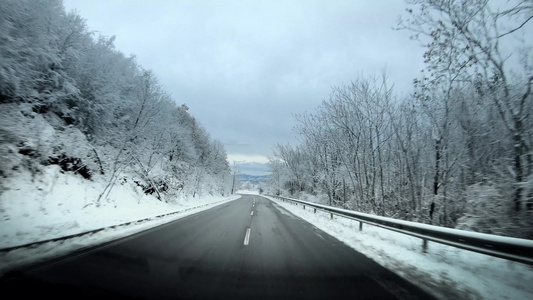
252	213
247	237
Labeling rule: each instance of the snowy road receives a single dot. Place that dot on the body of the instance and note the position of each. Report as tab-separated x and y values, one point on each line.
247	248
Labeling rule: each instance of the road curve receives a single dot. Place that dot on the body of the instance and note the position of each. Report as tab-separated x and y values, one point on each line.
248	248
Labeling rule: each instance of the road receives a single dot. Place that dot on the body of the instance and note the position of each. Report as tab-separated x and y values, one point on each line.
248	248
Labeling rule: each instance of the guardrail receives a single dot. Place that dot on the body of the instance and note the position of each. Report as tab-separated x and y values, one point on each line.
515	249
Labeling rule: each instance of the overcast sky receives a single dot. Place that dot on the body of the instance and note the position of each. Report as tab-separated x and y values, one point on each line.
244	68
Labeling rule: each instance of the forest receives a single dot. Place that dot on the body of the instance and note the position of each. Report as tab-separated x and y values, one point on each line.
455	152
69	98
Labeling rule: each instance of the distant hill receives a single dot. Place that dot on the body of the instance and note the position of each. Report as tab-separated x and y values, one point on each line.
253	179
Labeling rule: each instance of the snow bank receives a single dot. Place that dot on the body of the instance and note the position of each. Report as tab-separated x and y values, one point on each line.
43	194
248	192
53	182
446	272
55	204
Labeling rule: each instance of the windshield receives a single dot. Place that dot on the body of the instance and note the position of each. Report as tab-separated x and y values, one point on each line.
310	149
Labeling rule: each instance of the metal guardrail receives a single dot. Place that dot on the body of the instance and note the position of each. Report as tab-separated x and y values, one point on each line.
515	249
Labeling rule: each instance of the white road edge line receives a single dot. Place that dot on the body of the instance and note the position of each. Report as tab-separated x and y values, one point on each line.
247	237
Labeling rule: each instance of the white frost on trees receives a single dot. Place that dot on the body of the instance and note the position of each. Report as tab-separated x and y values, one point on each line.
108	116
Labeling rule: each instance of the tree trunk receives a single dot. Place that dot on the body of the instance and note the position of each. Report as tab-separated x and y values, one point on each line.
437	167
518	153
436	178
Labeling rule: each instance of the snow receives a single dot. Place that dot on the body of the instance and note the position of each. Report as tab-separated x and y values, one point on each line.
248	192
445	271
489	238
42	199
56	204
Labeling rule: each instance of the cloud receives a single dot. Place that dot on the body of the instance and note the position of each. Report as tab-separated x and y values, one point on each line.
245	67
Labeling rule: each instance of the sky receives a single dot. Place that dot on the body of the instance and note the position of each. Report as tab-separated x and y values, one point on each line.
245	68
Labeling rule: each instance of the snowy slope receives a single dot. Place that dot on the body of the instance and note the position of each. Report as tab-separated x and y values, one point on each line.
57	204
45	194
63	206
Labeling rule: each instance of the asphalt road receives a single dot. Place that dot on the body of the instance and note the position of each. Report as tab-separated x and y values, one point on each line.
248	248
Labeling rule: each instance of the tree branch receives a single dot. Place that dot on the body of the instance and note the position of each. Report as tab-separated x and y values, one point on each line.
517	28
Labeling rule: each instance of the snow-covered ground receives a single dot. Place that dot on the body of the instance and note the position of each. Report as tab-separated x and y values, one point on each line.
249	192
64	205
447	272
57	204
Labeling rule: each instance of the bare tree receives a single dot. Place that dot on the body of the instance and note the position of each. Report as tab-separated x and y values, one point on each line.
478	35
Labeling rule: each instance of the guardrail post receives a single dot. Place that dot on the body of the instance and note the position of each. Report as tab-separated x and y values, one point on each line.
304	206
424	245
315	210
332	215
360	226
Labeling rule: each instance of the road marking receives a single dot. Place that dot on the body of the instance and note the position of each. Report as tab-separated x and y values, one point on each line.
247	237
252	213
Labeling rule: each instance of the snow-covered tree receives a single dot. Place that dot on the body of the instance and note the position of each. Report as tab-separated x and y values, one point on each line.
118	113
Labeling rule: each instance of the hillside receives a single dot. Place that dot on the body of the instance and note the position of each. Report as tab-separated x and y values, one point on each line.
82	125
